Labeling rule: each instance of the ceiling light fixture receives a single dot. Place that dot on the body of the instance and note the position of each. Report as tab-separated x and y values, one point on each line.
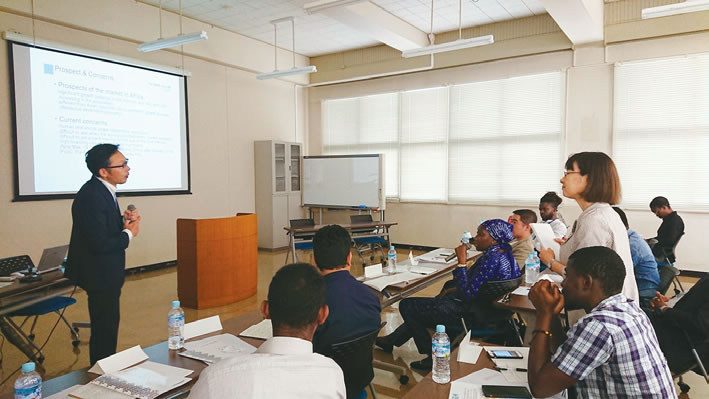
459	44
178	40
320	5
286	72
676	8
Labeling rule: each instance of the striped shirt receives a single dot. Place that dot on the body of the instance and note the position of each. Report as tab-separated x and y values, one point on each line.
613	352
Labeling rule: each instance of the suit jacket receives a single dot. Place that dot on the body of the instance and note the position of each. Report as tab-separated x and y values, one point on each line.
97	256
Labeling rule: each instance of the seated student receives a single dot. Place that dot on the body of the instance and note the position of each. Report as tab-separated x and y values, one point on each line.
644	265
689	315
670	230
548	205
354	307
610	352
523	244
284	366
496	263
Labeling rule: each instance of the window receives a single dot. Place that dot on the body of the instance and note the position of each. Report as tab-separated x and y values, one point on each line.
661	131
487	142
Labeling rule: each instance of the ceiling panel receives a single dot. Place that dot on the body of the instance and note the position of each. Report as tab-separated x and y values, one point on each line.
318	34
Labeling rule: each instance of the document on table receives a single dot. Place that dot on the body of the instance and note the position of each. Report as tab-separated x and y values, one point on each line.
438	256
380	283
261	330
119	361
147	380
218	347
544	236
202	326
470	386
469	352
521	290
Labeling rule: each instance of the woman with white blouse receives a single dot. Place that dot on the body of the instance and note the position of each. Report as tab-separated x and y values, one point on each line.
592	180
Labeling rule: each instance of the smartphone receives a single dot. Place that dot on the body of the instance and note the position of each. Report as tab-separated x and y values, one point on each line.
503	354
503	391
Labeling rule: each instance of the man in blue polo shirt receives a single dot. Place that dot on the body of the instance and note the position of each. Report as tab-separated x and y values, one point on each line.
354	308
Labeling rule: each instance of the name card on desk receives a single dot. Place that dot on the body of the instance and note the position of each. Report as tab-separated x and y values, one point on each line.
202	326
373	271
119	361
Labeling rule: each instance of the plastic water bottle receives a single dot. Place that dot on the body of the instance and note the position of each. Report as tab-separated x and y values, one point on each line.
391	260
29	385
530	277
466	238
175	327
537	264
441	355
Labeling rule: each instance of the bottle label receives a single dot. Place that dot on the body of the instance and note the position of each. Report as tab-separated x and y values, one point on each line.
176	320
441	351
34	392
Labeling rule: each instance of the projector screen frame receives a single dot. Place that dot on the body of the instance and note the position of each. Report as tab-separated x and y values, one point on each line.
17	197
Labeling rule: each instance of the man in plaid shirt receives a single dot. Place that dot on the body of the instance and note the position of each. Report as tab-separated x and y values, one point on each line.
612	351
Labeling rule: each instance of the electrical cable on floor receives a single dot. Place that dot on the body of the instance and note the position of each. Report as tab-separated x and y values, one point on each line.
43	345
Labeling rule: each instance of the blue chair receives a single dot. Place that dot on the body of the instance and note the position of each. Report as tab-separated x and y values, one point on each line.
365	244
52	305
305	245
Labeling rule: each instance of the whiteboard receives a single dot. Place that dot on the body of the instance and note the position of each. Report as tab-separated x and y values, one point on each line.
344	181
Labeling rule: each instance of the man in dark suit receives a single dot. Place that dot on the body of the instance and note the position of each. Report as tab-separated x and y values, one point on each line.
99	238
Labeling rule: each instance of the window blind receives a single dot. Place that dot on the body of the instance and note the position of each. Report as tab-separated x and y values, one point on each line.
661	131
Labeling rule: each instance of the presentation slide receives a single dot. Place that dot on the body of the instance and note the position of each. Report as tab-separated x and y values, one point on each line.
67	103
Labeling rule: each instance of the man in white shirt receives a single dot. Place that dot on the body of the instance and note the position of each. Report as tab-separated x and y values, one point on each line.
284	366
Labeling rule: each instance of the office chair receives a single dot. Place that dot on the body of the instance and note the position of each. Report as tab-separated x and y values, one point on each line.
303	246
354	356
668	276
492	324
367	244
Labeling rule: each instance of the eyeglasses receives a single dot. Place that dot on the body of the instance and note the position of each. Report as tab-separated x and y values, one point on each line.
122	166
568	172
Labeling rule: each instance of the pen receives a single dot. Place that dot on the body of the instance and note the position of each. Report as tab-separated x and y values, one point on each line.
521	369
500	369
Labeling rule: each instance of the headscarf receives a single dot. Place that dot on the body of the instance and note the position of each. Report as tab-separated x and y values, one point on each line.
499	230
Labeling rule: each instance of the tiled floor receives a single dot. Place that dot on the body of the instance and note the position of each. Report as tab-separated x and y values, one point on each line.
144	305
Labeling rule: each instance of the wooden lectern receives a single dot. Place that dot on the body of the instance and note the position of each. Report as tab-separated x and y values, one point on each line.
217	260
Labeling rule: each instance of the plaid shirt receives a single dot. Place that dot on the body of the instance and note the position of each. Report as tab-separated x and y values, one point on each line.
613	352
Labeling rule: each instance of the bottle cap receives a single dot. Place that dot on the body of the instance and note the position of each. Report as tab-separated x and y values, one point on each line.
530	256
175	304
441	328
28	367
391	247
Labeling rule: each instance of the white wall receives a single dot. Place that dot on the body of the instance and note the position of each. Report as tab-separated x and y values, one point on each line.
228	109
589	107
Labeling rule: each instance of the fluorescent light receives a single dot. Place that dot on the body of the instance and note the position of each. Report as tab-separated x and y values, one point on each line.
449	46
172	41
320	5
677	8
287	72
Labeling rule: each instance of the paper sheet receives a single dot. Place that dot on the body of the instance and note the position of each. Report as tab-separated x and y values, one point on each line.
469	352
119	361
422	270
551	276
202	326
380	283
544	236
521	290
373	271
261	330
219	347
470	386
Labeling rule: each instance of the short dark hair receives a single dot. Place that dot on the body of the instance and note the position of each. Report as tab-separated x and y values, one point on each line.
99	156
551	198
295	295
527	216
623	218
601	263
603	183
659	202
331	245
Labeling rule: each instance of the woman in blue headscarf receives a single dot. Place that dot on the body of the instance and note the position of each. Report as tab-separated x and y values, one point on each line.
495	264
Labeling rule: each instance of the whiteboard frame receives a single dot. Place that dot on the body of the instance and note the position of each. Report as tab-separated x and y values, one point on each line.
381	195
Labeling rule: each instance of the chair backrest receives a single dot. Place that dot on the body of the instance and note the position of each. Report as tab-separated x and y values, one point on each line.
667	274
361	219
493	290
302	223
354	356
15	264
670	255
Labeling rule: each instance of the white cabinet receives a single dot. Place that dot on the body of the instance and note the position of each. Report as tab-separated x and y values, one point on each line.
277	166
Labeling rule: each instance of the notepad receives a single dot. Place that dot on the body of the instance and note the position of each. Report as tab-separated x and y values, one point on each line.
218	347
544	236
262	330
